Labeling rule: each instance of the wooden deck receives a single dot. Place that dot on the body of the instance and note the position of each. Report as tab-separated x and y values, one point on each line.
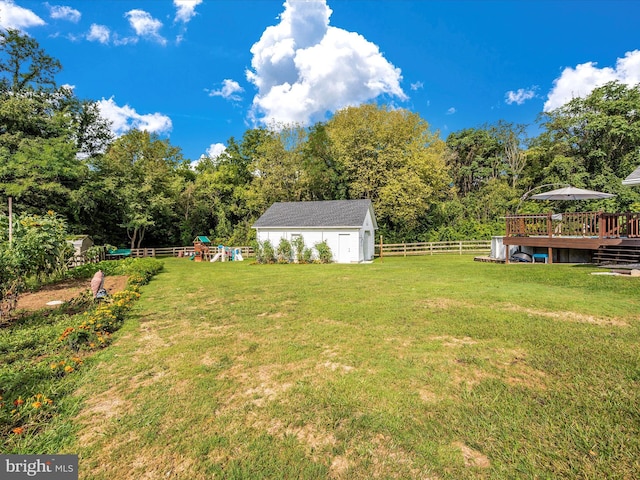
580	231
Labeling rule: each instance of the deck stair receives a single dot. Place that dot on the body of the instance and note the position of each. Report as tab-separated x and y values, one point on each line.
616	255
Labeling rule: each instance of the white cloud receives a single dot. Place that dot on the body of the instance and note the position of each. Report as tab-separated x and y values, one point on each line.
145	25
304	68
451	111
13	16
215	150
185	9
60	12
417	86
99	33
126	118
520	96
580	81
229	90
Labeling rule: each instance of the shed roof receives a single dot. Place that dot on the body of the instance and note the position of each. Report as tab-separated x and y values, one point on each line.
633	179
202	239
328	213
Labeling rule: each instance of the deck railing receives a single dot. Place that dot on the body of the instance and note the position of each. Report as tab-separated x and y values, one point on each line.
574	224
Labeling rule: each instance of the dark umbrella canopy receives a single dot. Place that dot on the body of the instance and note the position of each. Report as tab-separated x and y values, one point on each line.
571	193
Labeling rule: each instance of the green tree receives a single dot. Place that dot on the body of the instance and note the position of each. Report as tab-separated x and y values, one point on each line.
602	130
391	157
279	173
138	174
24	65
45	131
324	175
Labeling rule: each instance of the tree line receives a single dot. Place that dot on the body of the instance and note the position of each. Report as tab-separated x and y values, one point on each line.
57	154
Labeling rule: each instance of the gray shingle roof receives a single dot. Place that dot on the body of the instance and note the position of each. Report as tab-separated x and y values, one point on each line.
329	213
633	179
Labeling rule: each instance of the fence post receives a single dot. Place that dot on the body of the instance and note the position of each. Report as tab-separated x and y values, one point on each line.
381	246
460	247
405	249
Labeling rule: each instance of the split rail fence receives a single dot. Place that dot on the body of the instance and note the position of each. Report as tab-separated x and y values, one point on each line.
463	247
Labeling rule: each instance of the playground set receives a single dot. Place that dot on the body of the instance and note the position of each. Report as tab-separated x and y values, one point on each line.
203	252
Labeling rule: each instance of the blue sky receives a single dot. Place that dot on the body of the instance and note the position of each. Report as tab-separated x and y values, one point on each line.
201	71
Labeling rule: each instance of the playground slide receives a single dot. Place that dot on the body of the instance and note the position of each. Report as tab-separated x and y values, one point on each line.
227	254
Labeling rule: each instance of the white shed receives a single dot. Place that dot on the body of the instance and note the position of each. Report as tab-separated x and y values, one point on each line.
80	244
348	226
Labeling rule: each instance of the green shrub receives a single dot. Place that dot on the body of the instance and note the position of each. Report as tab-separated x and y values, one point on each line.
38	251
258	251
324	252
307	255
284	251
268	252
298	246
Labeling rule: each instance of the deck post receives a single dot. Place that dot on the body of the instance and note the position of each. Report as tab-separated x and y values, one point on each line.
550	253
600	224
549	225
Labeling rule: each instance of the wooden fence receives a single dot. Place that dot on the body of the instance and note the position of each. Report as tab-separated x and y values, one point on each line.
433	248
182	251
478	247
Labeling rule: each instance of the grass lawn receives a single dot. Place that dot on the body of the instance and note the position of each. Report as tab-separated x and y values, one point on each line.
426	367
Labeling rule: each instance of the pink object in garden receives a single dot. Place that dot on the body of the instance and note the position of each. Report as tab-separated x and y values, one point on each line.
97	282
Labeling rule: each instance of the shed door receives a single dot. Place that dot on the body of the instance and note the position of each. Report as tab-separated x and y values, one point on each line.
344	255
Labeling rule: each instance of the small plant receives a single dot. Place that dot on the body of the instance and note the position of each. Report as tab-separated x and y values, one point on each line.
324	252
284	251
268	252
257	249
298	246
307	255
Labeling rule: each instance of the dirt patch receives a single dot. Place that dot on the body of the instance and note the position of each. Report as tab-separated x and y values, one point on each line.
336	366
472	458
449	341
439	303
569	316
66	291
97	415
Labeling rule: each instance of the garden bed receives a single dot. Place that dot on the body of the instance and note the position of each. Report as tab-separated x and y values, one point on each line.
66	291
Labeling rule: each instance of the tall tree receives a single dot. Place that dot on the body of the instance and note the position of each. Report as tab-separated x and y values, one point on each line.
279	173
325	176
45	131
138	172
602	129
474	159
24	65
391	157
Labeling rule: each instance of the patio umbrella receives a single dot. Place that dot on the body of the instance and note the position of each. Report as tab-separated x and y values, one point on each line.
571	193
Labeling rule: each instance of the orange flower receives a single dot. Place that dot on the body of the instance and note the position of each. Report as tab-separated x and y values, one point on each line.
18	402
36	404
68	369
18	430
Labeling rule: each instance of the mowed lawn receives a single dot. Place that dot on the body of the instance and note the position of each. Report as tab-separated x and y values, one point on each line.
425	367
